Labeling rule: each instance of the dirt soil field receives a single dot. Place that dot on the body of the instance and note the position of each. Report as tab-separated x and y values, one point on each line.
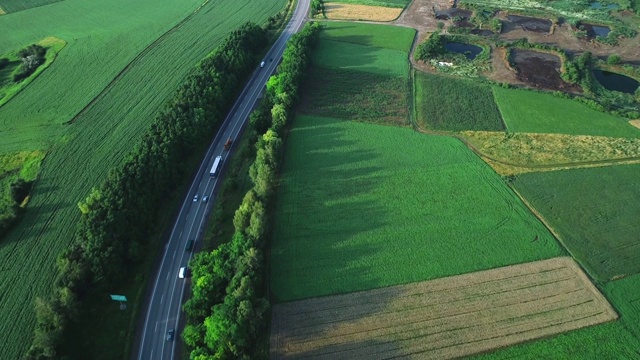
540	70
444	318
635	123
337	11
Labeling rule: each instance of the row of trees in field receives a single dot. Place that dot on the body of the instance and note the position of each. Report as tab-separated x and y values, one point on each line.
118	217
226	311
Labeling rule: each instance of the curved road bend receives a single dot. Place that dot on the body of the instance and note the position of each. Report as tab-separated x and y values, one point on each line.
162	312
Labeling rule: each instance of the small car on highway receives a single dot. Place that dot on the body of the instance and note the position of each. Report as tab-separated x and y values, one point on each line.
170	335
195	198
205	198
262	64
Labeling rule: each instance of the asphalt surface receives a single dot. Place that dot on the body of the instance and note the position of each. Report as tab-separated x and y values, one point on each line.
163	310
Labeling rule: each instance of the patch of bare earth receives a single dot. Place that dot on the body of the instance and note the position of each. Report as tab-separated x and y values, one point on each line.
339	11
635	123
444	318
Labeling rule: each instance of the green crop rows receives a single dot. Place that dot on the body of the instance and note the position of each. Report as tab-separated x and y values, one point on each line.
531	112
100	44
380	36
11	6
363	206
595	212
448	103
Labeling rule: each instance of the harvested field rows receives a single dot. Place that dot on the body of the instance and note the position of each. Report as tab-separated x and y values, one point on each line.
361	12
443	318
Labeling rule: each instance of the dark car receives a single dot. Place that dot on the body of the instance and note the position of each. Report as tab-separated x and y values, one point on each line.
189	246
170	335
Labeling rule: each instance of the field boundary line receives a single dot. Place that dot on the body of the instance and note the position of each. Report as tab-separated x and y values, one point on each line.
134	61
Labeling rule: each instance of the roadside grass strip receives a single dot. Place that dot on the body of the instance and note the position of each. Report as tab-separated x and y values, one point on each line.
376	35
441	319
446	103
364	206
361	12
595	212
532	112
354	95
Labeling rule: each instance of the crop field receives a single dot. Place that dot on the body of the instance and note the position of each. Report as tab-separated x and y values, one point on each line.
100	44
445	318
531	112
552	149
380	36
355	95
386	3
595	212
361	12
447	103
390	206
12	6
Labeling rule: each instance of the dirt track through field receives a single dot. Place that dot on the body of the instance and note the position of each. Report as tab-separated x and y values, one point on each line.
444	318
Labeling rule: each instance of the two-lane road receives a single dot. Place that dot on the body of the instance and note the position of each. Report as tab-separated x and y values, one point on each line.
162	312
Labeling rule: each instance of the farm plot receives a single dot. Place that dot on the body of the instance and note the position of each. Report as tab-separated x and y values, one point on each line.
384	3
380	36
532	112
355	95
595	213
364	206
12	6
444	318
446	103
82	152
360	12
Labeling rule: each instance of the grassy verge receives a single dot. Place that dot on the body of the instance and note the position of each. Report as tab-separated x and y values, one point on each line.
446	103
9	89
353	213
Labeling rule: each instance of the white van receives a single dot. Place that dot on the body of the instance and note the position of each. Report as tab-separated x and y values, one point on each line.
182	273
262	64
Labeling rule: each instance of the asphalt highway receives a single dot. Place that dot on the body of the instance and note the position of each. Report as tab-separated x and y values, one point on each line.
163	310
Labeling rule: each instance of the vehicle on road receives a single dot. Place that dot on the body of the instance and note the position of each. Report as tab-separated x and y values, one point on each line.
170	335
205	198
195	198
262	64
227	145
183	272
189	246
216	166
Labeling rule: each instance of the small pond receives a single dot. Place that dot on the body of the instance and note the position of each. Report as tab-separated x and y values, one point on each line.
616	82
596	30
530	23
599	5
452	13
468	50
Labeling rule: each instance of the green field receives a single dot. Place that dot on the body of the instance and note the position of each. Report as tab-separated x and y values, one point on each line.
100	43
619	339
382	36
355	95
532	112
362	47
363	206
447	103
386	3
11	6
595	211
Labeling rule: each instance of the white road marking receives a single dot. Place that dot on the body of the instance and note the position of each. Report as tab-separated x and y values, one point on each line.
161	300
156	330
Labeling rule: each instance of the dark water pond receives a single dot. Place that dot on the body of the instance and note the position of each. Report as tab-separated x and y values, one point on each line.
468	50
596	30
482	32
451	13
599	5
530	23
616	82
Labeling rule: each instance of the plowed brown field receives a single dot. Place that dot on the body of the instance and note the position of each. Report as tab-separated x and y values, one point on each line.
444	318
361	12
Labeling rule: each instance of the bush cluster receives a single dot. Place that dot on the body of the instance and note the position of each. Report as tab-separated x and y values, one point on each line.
32	57
118	217
431	48
225	311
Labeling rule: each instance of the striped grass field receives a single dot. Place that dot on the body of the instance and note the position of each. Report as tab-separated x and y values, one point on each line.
442	319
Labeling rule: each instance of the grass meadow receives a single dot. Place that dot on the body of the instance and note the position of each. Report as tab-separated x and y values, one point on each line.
354	95
595	212
381	36
447	103
100	44
364	206
532	112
